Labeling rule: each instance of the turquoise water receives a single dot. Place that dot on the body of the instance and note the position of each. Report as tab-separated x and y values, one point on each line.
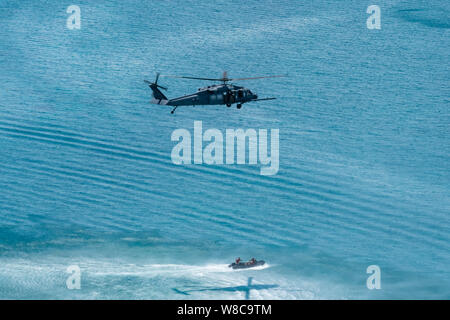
86	176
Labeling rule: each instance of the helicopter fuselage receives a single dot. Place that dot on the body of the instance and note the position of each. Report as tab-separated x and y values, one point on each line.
227	94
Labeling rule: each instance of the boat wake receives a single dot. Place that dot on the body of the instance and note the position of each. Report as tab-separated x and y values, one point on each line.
175	269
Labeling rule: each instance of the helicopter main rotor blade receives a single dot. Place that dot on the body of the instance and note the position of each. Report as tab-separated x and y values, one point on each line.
263	99
224	79
191	78
253	78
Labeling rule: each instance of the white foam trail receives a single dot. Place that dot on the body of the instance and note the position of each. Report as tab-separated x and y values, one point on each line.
178	269
153	281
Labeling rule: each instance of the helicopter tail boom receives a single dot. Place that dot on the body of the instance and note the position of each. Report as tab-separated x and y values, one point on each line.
159	101
157	94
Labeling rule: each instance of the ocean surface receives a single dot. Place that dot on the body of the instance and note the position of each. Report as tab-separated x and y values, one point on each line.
86	176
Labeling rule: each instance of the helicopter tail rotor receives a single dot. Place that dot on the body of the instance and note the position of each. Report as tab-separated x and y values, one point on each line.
156	82
157	94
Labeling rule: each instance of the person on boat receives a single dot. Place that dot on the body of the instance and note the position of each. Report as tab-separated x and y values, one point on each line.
253	260
238	260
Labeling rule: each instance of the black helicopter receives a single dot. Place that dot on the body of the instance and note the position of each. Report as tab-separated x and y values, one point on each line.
225	93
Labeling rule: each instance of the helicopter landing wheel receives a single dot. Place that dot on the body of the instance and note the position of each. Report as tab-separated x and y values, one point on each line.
239	106
228	105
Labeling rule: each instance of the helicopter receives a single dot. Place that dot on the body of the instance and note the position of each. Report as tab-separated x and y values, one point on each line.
224	93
